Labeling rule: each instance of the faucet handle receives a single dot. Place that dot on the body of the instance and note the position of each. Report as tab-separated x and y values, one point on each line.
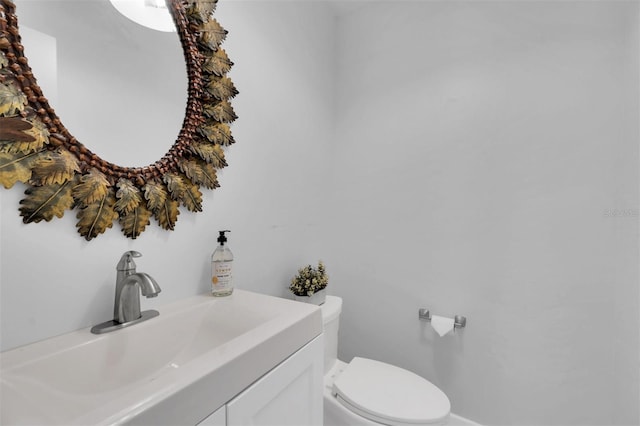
126	262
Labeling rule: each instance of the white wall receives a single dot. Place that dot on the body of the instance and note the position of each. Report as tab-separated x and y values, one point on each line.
480	147
43	59
53	281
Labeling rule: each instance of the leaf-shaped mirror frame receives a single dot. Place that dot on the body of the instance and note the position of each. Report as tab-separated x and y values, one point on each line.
63	174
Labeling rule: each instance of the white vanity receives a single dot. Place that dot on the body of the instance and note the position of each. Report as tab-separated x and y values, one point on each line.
243	359
287	395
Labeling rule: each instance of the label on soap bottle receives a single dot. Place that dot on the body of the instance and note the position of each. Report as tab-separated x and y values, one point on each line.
221	276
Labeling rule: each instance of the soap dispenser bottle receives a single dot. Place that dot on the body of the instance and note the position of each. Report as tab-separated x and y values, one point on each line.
221	268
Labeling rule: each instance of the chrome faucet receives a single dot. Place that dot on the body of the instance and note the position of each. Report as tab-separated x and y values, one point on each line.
129	284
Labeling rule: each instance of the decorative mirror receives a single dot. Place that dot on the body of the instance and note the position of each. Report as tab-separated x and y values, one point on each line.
63	174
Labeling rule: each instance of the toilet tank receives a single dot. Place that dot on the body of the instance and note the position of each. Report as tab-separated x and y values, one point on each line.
331	309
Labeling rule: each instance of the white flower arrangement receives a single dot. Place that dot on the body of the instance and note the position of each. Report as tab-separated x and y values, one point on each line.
309	280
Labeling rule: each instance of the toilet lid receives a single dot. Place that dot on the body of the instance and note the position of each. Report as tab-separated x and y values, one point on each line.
390	395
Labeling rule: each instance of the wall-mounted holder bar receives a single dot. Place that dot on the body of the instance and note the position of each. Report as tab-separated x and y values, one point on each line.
424	314
458	321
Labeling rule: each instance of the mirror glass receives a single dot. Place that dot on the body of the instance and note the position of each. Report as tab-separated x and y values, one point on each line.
112	82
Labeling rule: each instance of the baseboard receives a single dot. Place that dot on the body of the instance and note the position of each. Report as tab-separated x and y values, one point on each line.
455	420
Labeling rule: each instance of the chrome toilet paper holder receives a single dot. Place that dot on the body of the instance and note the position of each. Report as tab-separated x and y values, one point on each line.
458	321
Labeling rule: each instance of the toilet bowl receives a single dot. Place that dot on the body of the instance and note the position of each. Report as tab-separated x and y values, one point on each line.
369	392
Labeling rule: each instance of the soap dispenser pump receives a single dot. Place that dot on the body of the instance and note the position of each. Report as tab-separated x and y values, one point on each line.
222	268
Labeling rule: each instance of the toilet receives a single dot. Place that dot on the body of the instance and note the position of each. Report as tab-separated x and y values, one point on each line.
369	392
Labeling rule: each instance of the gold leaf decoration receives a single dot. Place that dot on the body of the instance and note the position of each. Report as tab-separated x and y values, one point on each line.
62	173
164	209
218	64
38	131
135	221
192	198
222	88
221	111
156	194
212	154
15	167
96	216
54	167
200	172
175	185
185	191
212	35
93	187
201	10
217	133
45	202
167	214
20	147
12	100
129	197
25	135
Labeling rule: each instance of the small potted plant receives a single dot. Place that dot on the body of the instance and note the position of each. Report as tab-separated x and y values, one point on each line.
309	284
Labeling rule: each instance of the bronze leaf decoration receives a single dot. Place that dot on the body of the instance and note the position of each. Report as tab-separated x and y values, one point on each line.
95	217
16	167
63	174
46	201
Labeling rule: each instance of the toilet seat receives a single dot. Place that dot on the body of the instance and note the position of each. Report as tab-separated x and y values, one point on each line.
390	395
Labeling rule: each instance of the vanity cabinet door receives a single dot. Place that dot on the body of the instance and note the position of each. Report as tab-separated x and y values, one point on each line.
289	395
217	418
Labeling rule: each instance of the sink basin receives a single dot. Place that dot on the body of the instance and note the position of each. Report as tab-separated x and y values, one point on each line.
122	376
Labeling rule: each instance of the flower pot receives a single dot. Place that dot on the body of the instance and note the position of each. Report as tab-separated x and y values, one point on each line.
316	298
